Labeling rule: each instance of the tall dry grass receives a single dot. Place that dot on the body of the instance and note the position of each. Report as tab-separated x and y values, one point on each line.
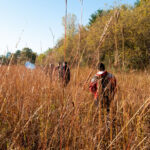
36	113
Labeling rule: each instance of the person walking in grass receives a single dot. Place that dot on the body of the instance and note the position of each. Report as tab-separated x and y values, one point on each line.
103	86
49	70
58	71
64	74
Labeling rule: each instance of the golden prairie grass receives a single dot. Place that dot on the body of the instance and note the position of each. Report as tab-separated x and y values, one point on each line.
36	113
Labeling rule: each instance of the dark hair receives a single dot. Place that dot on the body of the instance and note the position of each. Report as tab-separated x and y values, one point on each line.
101	66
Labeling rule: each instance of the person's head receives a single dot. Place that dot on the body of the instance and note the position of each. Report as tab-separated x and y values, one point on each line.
65	63
59	63
101	67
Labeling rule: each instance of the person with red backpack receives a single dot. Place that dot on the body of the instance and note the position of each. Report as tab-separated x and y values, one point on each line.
103	86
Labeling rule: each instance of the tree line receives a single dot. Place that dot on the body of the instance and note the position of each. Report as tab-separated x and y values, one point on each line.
19	57
126	45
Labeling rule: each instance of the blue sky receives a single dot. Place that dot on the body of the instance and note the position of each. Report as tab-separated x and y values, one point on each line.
27	23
